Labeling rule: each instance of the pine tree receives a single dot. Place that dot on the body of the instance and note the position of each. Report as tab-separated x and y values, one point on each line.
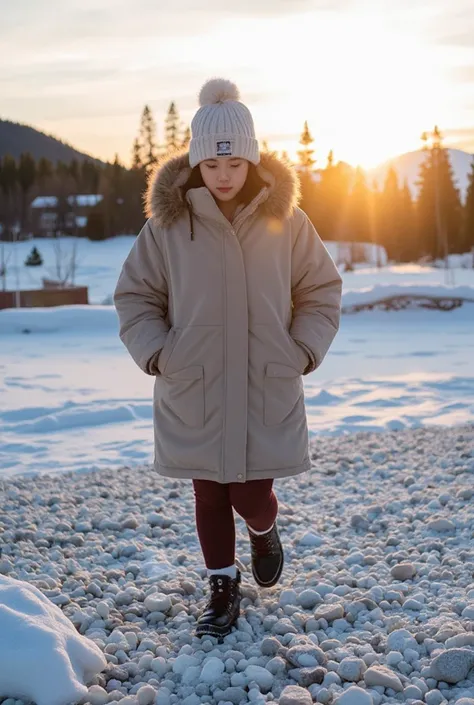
172	128
467	241
147	139
407	233
439	204
34	259
186	138
388	215
136	155
26	179
359	212
8	185
44	172
89	176
306	154
333	190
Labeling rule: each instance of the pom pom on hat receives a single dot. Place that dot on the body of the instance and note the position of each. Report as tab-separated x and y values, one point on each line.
218	90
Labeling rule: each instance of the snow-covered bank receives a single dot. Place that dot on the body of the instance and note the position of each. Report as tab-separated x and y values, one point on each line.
103	319
99	265
377	591
71	398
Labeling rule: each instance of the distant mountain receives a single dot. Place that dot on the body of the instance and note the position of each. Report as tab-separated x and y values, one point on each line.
16	138
407	167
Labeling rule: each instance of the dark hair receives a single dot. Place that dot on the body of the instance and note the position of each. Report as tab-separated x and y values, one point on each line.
252	187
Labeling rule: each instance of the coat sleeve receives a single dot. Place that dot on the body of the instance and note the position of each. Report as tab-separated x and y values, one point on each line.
141	301
316	287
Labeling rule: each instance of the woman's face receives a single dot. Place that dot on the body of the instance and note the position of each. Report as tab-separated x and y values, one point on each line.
225	176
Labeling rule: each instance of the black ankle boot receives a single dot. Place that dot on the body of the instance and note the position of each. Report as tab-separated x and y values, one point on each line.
267	556
223	607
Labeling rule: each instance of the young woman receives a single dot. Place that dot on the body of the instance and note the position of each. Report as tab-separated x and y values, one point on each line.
228	297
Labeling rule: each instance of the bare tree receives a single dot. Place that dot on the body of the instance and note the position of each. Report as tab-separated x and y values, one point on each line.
65	265
4	259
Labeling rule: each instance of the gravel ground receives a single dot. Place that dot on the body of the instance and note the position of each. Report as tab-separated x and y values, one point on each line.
375	605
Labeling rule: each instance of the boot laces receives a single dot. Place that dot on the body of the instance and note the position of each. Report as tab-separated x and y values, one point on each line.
264	544
218	596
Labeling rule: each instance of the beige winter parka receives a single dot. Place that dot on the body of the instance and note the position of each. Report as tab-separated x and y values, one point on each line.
228	316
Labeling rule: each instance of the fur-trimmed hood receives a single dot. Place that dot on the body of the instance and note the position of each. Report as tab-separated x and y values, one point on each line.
165	201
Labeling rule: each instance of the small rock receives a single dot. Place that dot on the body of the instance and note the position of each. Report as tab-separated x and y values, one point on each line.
212	670
288	597
158	602
466	639
329	612
284	626
310	539
403	571
308	676
146	695
412	604
262	677
379	675
181	663
468	612
234	695
434	697
412	692
309	599
399	640
441	525
351	669
355	696
269	646
294	695
306	655
452	665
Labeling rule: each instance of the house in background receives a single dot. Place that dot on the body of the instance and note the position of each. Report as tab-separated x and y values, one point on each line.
51	215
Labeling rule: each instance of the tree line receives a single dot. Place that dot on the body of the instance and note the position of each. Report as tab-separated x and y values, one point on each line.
338	200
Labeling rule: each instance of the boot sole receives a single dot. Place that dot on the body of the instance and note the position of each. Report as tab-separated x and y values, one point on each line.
209	630
276	577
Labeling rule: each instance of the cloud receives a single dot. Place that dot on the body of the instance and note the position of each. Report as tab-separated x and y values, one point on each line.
461	38
453	24
462	74
39	21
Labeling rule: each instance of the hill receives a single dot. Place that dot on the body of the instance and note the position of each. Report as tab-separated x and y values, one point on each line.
16	138
407	167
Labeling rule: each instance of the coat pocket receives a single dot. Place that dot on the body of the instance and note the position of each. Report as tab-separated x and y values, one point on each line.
182	393
282	389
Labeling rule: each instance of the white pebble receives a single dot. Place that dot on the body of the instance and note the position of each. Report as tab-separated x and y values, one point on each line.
212	670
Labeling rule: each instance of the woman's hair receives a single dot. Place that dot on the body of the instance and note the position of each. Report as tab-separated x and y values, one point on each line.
252	187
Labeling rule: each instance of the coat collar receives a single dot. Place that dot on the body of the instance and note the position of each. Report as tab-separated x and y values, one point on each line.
164	197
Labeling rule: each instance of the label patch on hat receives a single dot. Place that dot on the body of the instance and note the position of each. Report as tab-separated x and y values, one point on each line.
224	148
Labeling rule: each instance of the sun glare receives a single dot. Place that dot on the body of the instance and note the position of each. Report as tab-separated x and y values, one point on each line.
366	90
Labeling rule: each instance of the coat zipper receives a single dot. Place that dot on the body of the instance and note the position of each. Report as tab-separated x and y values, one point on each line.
224	415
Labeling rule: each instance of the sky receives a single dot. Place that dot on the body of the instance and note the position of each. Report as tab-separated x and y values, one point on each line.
368	76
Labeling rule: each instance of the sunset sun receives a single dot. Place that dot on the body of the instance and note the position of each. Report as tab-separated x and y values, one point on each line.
366	89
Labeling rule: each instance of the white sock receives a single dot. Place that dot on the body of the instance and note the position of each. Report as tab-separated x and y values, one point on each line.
231	571
260	533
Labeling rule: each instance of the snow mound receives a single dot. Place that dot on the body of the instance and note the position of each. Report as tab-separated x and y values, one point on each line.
380	292
43	657
65	319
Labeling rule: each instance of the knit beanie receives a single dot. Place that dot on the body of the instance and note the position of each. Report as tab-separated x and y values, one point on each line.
223	126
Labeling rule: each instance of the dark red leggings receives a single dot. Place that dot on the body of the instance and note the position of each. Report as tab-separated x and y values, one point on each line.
255	501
